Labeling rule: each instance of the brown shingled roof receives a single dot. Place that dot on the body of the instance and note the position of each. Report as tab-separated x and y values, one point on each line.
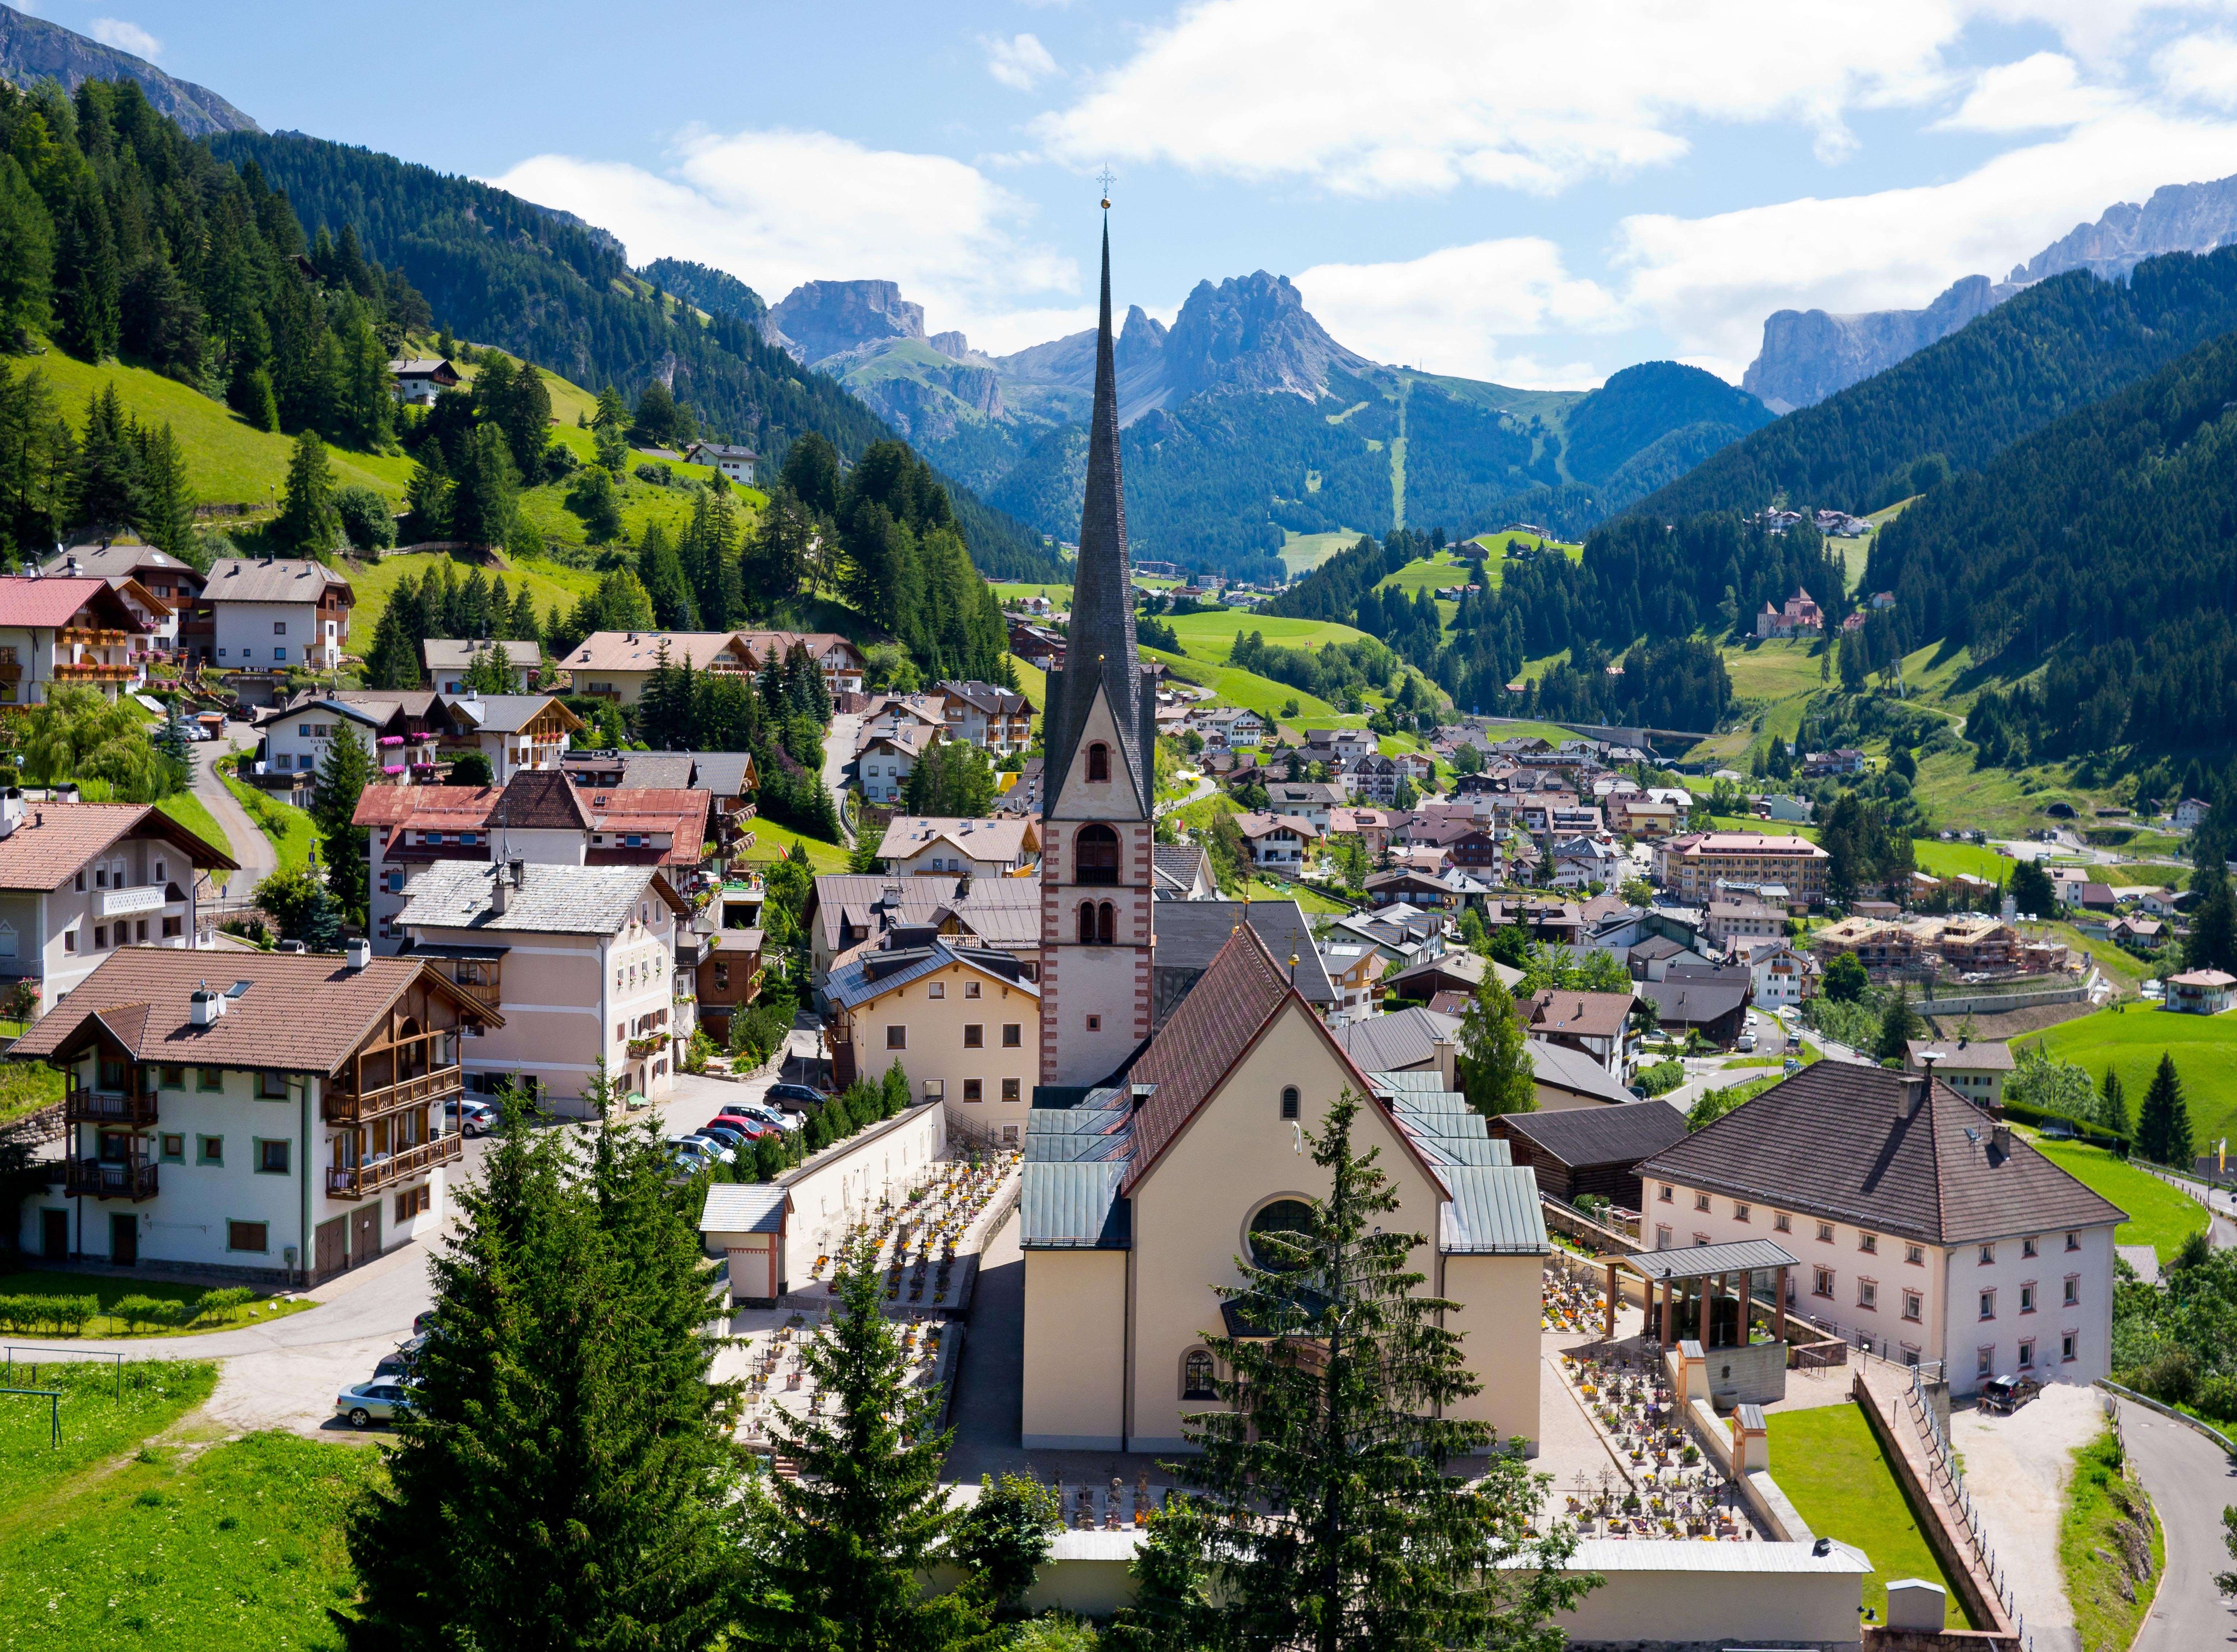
53	839
1583	1015
1860	1145
541	800
141	993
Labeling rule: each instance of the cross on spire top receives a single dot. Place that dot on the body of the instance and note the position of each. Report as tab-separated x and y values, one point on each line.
1105	179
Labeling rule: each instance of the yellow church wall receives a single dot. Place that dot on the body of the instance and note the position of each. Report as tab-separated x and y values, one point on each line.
1075	1349
1497	1323
1236	1156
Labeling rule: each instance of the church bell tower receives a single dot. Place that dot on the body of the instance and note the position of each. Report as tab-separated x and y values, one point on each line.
1098	788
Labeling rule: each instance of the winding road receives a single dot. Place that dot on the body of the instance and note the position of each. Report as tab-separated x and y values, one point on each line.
251	848
2190	1481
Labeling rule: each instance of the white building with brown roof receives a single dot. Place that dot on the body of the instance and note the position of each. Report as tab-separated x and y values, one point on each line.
74	632
270	615
1281	843
281	1118
997	720
1974	1068
1924	1227
1692	864
1004	846
79	880
615	665
1597	1025
173	583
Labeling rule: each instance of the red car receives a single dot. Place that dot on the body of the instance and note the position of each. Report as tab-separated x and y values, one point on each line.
724	1128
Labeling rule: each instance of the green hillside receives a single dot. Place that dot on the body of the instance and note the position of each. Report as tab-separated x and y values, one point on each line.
2131	1041
375	583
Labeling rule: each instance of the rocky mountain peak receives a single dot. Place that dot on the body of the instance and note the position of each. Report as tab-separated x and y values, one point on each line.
1251	332
819	319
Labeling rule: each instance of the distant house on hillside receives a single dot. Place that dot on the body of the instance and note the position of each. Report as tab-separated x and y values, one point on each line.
1801	614
736	462
416	381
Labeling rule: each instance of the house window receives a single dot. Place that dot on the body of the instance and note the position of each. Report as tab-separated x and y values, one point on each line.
173	927
1739	1211
412	1201
1666	1194
1781	1222
209	1078
1988	1305
2027	1355
897	1037
1824	1232
172	1149
2067	1345
935	1088
1984	1362
1196	1375
271	1087
2073	1298
1099	761
971	989
1095	1024
279	653
1700	1201
1823	1284
2074	1241
974	1089
271	1157
69	936
280	628
2027	1297
1914	1306
1013	1035
1105	924
1987	1254
1087	923
100	937
1095	855
247	1235
722	978
1915	1254
974	1036
1009	1089
2027	1247
1289	1101
209	1150
938	989
1868	1294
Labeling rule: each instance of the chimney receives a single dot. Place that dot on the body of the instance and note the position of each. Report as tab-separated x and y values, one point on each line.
204	1006
500	887
358	951
1448	1065
1999	1134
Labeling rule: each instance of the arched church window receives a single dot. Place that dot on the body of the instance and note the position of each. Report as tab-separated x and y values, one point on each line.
1284	1219
1289	1101
1099	761
1105	924
1196	1376
1087	923
1095	855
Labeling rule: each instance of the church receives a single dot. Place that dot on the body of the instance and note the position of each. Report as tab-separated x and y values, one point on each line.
1153	1158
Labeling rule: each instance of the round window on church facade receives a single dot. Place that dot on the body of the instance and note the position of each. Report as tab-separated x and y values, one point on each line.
1289	1218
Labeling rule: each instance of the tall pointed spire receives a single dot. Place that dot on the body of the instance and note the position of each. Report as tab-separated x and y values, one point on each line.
1100	649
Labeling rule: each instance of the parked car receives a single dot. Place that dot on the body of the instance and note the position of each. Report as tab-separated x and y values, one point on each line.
373	1402
400	1363
1744	1043
752	1124
2008	1394
472	1117
771	1115
729	1135
712	1146
797	1097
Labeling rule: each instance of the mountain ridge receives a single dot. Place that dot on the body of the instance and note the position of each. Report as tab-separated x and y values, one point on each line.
33	49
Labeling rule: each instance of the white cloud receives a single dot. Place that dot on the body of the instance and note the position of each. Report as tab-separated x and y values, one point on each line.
2035	92
1021	61
1709	282
1454	310
779	207
2202	69
126	36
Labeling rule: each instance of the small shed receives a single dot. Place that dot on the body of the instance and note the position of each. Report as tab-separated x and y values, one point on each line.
1591	1150
749	1222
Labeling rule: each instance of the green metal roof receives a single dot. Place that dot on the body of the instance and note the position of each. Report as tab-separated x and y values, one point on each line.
1075	1206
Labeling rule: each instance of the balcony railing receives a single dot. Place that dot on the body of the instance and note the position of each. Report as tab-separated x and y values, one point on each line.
481	993
100	1179
102	1107
357	1181
354	1107
93	671
652	1045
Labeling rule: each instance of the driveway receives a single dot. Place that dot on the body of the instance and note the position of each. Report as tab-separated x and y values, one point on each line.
2017	1469
839	757
2191	1483
250	846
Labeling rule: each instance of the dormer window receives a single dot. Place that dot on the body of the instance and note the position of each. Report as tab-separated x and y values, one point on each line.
1099	761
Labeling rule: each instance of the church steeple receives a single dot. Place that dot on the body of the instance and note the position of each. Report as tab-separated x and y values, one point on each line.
1100	651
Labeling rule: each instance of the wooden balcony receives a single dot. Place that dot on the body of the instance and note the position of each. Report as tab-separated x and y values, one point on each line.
11	672
356	1107
92	671
100	1179
360	1180
484	993
104	1107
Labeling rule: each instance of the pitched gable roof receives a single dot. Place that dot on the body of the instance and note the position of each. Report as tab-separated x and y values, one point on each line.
243	579
53	839
539	800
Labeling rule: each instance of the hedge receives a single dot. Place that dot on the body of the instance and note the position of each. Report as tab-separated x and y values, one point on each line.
67	1315
47	1315
2091	1134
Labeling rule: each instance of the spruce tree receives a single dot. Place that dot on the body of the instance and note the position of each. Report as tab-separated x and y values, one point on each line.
675	605
428	495
308	521
1899	1024
167	506
837	1556
1326	1515
2212	943
343	775
2163	1122
565	1476
2113	1104
107	487
394	661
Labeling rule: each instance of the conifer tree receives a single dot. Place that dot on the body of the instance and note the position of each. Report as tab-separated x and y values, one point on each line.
428	495
484	498
308	521
343	775
2163	1122
106	491
675	605
1899	1024
837	1556
322	922
166	507
520	625
394	660
2113	1104
1325	1514
2212	943
565	1474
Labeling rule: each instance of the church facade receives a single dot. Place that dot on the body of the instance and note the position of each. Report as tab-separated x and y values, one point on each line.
1152	1162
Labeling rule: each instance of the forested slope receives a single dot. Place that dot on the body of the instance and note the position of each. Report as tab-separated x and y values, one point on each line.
2060	345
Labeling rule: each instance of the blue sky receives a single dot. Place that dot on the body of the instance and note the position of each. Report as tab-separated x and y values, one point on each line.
1531	194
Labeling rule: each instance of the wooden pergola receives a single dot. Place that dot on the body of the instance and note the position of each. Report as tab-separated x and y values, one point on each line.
1702	1276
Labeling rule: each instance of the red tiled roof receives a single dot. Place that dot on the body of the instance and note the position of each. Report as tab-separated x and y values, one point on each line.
46	602
53	839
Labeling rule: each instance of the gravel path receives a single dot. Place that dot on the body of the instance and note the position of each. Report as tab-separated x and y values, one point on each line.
2017	1469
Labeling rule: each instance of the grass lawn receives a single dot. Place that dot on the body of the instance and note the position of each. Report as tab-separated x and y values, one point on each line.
1032	683
1831	1466
1310	899
1200	815
97	1423
1773	669
193	814
1008	591
773	842
1939	859
109	1289
2091	1552
1232	686
2156	874
549	582
2158	1215
1300	553
1212	636
291	831
25	1086
239	1544
1518	728
2131	1039
544	508
1497	544
2127	971
1428	574
228	462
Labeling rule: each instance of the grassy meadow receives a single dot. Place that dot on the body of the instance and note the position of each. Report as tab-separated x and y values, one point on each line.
2131	1040
2158	1215
552	584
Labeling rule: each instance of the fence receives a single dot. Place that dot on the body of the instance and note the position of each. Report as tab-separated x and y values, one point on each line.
1942	1466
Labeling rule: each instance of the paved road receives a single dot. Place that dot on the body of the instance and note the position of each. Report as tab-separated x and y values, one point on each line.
839	757
2190	1483
1203	788
250	846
